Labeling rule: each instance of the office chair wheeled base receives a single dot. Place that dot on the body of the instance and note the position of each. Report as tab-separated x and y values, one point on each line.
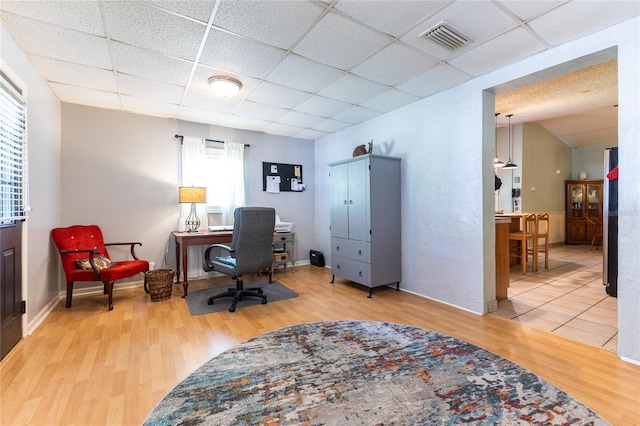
238	294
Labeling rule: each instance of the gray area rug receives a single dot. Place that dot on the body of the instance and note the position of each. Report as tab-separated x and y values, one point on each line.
197	300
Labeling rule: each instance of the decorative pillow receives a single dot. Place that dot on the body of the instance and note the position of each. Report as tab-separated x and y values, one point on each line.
101	262
228	260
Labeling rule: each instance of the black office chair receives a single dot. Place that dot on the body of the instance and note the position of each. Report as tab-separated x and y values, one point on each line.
250	252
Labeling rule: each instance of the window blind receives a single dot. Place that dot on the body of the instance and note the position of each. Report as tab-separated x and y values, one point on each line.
13	152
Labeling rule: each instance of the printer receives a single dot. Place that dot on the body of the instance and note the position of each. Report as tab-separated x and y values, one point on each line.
283	226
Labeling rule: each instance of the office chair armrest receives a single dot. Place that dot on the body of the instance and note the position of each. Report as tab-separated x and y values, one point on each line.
208	261
133	253
222	246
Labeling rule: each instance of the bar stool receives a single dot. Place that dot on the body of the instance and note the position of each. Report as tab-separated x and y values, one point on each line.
542	231
527	233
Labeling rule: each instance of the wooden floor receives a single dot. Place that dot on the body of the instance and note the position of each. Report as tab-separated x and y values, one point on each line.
90	366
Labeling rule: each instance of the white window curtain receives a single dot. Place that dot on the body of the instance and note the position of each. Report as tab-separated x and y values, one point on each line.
234	153
193	169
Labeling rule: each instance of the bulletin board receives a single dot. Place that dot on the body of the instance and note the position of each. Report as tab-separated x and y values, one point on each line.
280	177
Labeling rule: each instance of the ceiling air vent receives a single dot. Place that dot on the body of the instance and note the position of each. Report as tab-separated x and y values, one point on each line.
446	36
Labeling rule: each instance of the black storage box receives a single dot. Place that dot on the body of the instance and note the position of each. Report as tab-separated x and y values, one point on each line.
316	258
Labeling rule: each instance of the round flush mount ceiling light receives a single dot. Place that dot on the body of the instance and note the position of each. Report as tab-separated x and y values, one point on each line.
224	86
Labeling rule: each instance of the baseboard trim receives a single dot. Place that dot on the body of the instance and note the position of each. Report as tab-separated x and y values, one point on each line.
40	317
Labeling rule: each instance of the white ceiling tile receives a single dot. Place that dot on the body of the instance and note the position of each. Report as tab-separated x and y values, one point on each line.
384	68
435	80
389	100
499	52
209	101
147	107
527	10
280	96
391	17
356	114
278	23
478	20
59	43
200	115
339	42
196	9
579	18
282	129
299	119
259	111
152	65
303	74
330	125
238	122
142	25
239	55
75	75
352	89
323	107
77	15
83	96
310	134
150	90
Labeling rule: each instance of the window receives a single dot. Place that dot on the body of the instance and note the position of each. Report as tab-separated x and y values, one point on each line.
216	174
13	152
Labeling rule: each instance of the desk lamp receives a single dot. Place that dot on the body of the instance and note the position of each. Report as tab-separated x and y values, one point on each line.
193	195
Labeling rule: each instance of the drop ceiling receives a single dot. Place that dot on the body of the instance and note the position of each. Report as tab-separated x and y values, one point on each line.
309	68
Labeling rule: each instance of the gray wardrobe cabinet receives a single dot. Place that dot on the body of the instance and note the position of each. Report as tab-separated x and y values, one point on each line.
365	220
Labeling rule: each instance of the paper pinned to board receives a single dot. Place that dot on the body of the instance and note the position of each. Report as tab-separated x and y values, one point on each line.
273	184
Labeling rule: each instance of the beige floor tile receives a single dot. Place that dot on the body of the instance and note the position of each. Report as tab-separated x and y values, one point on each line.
612	344
581	335
556	317
601	316
567	299
608	303
505	313
585	297
593	327
570	302
529	301
536	322
518	306
572	309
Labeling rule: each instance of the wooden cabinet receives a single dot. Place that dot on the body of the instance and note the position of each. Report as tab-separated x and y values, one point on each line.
365	220
584	199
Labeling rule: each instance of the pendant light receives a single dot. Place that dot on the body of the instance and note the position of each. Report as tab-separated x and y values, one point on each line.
510	164
496	161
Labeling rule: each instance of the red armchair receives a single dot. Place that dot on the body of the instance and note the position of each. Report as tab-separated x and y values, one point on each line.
80	242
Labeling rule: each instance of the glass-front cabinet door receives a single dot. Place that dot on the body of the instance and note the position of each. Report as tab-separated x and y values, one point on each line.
594	200
576	194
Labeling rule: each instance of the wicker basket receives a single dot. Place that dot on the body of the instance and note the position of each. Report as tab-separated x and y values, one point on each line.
160	282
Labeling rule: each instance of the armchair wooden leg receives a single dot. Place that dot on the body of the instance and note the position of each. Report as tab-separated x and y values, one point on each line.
108	285
69	294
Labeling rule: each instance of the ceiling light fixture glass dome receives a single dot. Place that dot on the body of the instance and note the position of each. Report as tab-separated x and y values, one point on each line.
224	86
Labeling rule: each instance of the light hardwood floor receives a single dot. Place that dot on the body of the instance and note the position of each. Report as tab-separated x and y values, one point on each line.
90	366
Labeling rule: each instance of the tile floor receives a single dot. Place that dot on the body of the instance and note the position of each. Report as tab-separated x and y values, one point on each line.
567	299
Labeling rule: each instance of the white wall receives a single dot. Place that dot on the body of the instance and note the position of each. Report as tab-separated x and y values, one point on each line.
43	121
447	212
121	171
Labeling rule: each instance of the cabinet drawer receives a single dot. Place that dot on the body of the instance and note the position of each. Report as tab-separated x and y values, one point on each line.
350	249
352	270
282	237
